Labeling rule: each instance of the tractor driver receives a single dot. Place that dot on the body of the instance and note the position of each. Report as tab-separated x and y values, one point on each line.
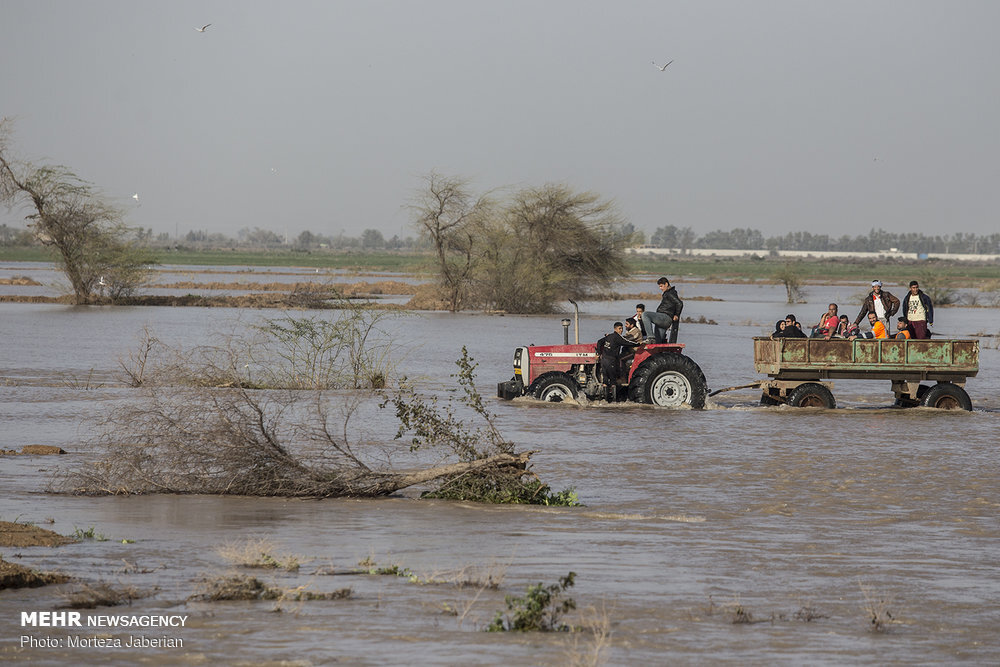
611	350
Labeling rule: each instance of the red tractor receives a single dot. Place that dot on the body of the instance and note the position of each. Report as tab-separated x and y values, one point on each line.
658	373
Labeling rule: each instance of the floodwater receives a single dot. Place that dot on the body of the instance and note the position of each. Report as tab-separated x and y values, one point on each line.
795	519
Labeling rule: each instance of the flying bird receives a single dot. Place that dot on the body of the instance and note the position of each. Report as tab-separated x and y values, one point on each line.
661	68
136	196
205	27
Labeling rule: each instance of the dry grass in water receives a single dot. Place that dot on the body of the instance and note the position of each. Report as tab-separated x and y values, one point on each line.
592	639
103	595
489	576
876	609
258	552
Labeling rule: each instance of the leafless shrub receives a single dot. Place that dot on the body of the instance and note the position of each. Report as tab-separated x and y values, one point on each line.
344	348
134	367
103	595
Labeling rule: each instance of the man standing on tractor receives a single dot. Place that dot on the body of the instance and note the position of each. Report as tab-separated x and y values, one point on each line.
667	315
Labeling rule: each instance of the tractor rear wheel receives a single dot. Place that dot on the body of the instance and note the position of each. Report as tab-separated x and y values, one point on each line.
669	381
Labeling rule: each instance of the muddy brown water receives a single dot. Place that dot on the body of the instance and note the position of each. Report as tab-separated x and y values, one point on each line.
794	516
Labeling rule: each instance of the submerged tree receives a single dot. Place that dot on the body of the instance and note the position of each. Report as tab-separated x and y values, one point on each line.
94	247
788	276
524	253
449	216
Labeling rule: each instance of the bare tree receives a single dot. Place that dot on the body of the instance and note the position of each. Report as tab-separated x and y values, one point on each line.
88	234
448	215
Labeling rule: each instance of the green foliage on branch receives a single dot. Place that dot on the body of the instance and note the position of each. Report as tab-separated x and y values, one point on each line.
540	610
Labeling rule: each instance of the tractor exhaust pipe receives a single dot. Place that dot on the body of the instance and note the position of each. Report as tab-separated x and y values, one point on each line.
576	326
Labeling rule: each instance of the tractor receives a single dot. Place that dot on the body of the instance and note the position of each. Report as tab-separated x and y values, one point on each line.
659	374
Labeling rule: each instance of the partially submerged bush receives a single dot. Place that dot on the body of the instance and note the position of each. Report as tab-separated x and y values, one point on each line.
240	441
346	348
540	610
430	425
244	587
103	595
503	488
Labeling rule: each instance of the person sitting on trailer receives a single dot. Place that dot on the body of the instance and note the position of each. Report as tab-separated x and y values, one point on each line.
843	327
792	327
828	323
878	329
779	329
902	329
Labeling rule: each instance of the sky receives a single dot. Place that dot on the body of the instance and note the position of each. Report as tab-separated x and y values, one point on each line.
828	117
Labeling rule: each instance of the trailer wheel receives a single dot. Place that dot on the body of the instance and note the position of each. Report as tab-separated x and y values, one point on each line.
947	396
811	395
554	387
669	381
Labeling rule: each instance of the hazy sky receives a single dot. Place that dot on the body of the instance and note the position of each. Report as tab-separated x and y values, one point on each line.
828	117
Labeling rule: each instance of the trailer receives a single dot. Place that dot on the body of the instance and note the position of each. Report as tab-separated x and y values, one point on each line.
801	369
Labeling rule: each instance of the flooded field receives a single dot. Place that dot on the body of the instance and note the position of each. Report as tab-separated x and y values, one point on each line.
733	534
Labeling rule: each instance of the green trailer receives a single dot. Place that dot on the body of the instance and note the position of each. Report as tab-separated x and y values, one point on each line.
801	369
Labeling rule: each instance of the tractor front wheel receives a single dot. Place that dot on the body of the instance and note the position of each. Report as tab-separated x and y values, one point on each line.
554	387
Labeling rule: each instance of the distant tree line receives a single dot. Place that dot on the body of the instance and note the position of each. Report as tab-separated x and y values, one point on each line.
369	239
877	240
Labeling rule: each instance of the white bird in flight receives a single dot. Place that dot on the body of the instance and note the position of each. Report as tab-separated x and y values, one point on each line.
661	68
136	196
203	28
